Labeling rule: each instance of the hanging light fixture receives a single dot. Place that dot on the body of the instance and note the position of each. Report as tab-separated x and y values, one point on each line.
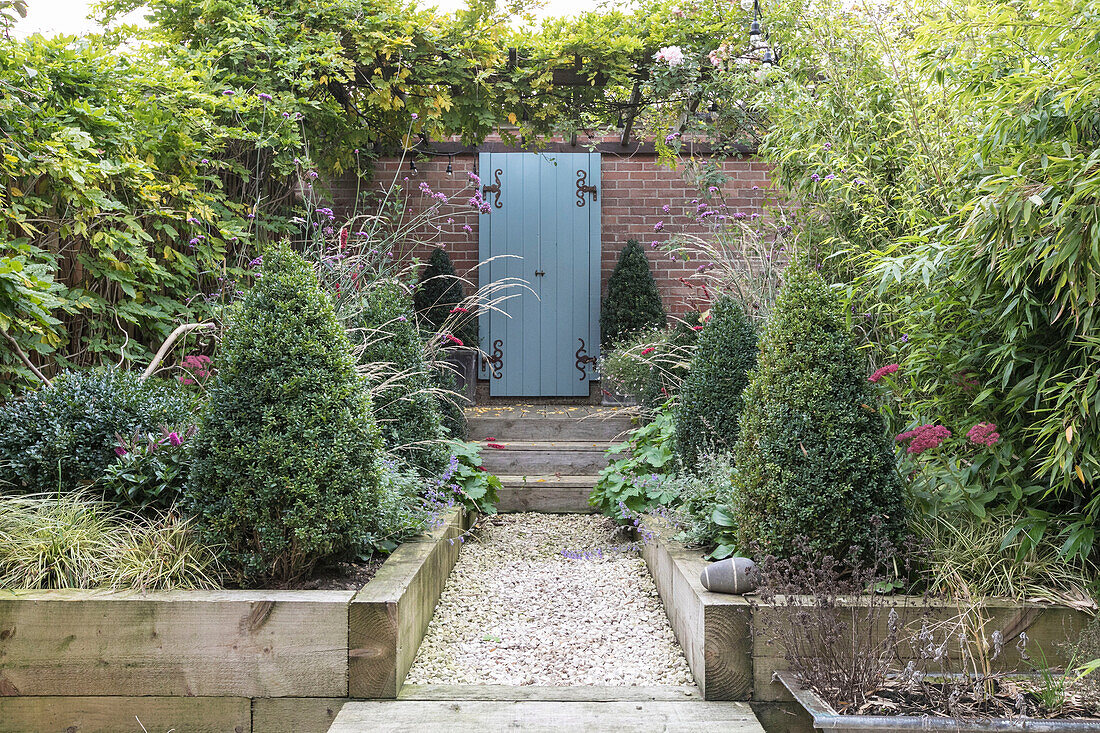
759	40
412	165
450	170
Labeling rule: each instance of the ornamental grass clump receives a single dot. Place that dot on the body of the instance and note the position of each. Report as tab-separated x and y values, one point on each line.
813	456
402	386
285	464
709	415
651	365
74	540
633	302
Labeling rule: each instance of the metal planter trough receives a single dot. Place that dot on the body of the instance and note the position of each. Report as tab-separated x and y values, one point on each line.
826	718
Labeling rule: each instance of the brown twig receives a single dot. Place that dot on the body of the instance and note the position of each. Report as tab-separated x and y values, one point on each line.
180	330
24	358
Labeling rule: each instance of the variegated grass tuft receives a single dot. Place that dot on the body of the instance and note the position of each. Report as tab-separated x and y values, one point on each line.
983	557
75	541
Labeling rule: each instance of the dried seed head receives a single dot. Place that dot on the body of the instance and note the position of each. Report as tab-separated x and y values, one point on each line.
1021	646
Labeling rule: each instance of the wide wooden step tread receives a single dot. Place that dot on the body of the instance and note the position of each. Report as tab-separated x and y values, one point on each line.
542	412
582	446
542	716
556	481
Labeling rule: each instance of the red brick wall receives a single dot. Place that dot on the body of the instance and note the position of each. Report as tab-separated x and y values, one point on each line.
632	195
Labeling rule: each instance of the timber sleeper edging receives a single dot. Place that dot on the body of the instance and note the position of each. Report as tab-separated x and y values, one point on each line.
725	637
713	629
74	656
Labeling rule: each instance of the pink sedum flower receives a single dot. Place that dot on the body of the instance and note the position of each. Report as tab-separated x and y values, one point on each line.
984	433
924	437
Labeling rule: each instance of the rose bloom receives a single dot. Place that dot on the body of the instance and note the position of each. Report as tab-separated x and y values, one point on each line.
672	55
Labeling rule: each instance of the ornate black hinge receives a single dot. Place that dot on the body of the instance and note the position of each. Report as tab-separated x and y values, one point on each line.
496	359
495	188
582	359
583	188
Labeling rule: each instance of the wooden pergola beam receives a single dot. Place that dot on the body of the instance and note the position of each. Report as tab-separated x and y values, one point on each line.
635	102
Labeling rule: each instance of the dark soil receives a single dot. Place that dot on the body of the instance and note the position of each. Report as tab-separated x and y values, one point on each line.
1008	698
340	576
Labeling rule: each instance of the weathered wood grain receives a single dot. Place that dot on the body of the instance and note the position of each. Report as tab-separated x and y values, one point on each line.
186	643
476	716
729	640
125	714
1049	628
546	498
548	423
294	714
713	629
388	618
569	458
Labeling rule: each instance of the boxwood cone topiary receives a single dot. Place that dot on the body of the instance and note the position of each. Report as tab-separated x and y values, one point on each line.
285	465
438	292
709	414
814	462
633	301
407	411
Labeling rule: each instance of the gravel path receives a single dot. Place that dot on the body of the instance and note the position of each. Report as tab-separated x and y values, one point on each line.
541	599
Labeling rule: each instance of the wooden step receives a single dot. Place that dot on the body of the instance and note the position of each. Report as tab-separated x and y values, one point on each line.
546	493
539	716
566	457
548	423
551	480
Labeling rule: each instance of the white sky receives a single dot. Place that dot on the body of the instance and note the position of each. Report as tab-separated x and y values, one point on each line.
51	17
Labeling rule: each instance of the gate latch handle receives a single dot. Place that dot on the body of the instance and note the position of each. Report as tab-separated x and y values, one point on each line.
539	273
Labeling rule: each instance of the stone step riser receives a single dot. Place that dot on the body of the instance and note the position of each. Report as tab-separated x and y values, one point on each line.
549	428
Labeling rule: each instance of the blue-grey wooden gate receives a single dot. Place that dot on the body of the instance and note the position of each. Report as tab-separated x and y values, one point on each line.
542	236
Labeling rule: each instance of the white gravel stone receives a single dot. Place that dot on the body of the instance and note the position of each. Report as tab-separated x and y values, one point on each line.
542	599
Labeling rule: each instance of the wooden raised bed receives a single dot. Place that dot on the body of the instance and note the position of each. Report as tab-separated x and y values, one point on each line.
724	636
713	629
216	660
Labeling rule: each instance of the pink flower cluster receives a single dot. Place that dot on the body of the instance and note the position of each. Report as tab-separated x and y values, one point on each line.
924	437
984	433
671	55
882	372
198	365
